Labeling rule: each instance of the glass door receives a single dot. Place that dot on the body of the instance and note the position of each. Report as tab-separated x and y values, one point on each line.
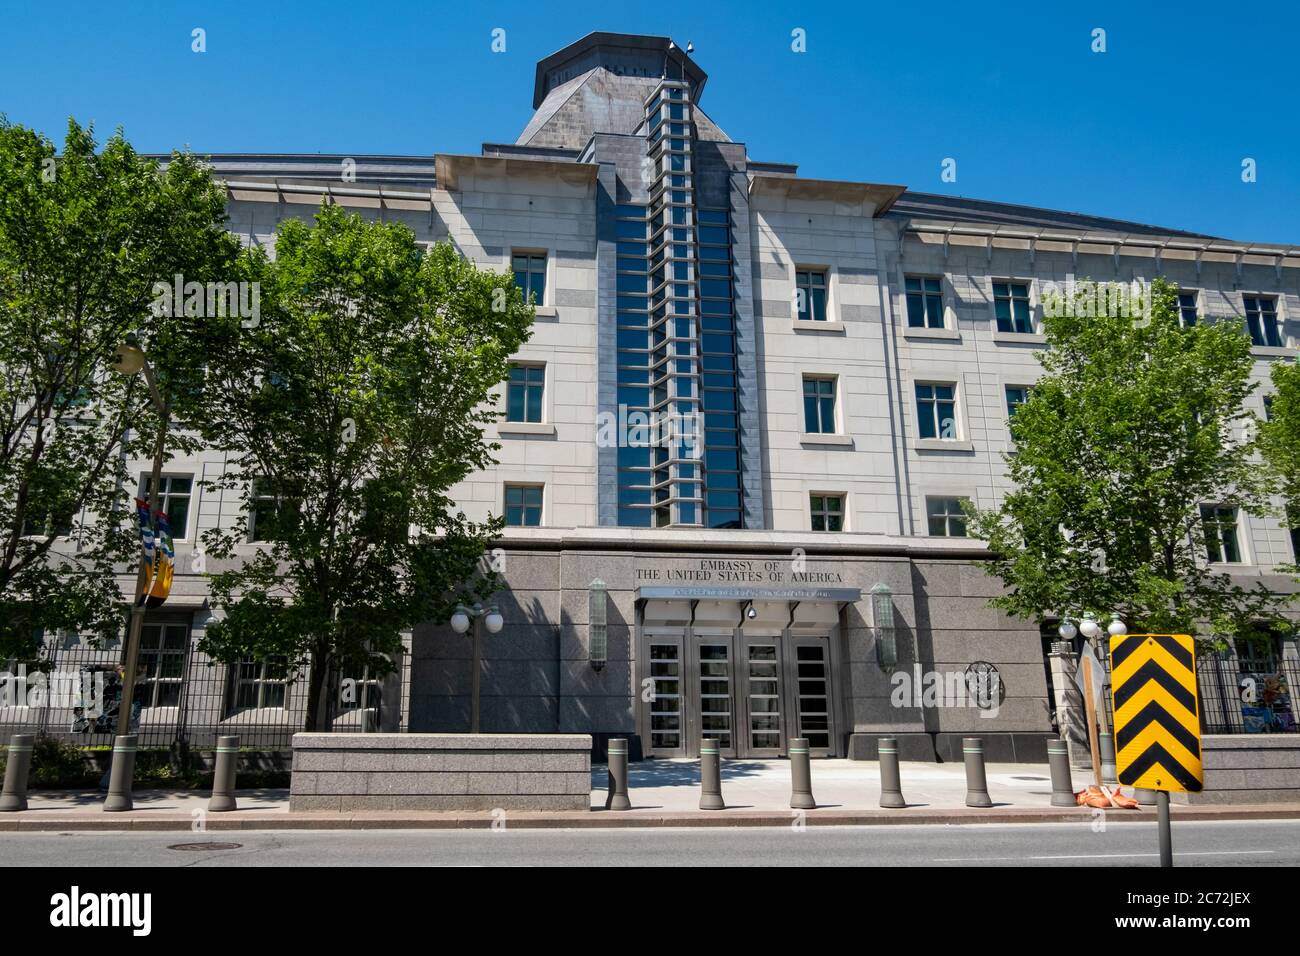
666	711
713	687
812	692
762	698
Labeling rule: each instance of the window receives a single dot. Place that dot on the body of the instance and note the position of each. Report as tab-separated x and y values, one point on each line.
1261	320
530	275
269	514
1295	543
523	506
946	517
936	410
827	512
161	664
1017	395
818	405
810	294
257	684
173	501
924	302
1220	524
524	393
47	523
1187	309
1011	307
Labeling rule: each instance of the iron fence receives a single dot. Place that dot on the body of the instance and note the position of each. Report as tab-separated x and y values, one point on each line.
1235	699
182	697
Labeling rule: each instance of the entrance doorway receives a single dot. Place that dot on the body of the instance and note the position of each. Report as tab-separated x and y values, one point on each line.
751	692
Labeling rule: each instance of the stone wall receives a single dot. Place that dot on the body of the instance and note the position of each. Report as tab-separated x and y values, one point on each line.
1248	768
441	772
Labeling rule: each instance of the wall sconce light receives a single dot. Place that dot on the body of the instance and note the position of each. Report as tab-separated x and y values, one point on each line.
882	620
598	636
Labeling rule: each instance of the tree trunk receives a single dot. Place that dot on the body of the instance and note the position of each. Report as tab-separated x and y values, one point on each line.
318	692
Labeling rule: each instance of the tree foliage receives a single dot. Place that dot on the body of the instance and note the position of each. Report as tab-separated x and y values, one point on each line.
349	412
1135	423
1280	440
84	236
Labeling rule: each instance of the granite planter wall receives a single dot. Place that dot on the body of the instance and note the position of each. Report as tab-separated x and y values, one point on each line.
370	772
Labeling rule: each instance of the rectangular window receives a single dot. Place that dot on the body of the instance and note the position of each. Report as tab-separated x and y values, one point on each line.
827	512
818	405
257	684
269	514
1187	309
161	663
936	410
1017	395
173	501
810	294
1221	542
924	302
1011	307
524	393
530	275
1295	544
945	517
1261	320
523	506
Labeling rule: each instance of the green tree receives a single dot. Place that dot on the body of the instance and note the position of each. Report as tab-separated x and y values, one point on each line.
349	413
84	237
1280	441
1134	424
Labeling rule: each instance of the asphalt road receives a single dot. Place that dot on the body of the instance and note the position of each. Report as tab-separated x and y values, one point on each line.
1229	843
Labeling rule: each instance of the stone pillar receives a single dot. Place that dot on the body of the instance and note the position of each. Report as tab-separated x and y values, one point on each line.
1070	712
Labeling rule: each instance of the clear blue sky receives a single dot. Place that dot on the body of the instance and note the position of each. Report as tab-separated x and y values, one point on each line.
1155	129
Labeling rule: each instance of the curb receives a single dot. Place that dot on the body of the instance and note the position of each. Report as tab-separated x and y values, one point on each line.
144	821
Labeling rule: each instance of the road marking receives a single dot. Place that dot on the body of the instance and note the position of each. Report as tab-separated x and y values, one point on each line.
1099	856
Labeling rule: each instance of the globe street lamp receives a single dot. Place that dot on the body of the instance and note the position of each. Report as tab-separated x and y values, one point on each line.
481	617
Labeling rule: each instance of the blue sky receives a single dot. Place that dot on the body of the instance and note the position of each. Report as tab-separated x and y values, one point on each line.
1155	129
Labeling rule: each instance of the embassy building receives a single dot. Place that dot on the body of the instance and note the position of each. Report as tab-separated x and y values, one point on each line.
734	452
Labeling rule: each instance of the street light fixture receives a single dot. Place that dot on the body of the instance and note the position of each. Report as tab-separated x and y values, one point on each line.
130	359
1116	628
1067	630
489	617
1089	626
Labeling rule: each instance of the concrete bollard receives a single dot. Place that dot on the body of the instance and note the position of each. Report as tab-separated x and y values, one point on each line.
1058	761
223	775
710	776
17	769
616	762
801	796
891	783
1144	797
1106	745
977	787
121	774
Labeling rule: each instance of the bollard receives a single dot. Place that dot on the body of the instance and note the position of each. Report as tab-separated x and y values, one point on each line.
801	797
710	776
1144	797
616	762
17	769
1058	761
223	775
121	774
891	784
1106	744
977	787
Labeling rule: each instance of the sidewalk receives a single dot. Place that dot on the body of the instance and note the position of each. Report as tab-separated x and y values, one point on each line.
663	793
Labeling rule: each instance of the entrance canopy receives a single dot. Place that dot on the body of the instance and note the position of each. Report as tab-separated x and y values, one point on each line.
744	606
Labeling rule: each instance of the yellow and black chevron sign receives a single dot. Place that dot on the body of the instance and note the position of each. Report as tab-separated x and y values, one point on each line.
1157	720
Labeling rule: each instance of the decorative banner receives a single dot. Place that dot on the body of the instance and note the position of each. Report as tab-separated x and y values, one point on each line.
165	565
1157	722
147	550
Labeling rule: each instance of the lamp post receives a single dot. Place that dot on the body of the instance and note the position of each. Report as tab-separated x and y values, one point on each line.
480	617
130	359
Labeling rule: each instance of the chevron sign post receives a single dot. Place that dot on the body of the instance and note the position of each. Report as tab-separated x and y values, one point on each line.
1157	719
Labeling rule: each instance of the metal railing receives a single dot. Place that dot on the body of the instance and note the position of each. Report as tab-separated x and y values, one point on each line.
182	698
1234	700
